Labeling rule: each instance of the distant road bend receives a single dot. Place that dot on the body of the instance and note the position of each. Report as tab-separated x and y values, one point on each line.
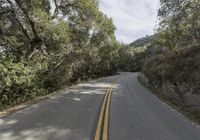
109	108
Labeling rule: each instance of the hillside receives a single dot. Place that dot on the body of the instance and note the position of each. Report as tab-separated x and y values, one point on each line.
144	41
173	71
177	79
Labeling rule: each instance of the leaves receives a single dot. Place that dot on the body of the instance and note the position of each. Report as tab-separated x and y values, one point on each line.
48	48
179	23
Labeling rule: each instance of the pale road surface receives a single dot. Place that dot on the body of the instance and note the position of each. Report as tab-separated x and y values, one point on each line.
73	114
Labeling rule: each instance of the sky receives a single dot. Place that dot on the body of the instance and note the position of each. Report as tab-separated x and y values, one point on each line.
132	18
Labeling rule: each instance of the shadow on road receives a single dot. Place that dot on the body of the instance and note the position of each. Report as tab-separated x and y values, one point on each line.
71	114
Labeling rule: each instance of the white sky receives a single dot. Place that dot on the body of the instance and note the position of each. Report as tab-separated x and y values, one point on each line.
132	18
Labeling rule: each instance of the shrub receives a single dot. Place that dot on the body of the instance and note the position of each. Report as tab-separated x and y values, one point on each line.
18	83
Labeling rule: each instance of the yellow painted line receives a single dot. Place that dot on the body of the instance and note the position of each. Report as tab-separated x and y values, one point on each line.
106	119
99	125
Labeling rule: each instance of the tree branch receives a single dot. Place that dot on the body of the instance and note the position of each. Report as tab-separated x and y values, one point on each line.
55	13
18	21
62	5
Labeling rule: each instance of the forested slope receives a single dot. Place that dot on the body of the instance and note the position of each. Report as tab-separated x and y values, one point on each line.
141	42
47	44
174	70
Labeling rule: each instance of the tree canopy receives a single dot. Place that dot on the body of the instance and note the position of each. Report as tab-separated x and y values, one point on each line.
46	44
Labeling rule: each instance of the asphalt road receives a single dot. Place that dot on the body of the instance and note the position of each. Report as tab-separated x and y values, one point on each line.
114	108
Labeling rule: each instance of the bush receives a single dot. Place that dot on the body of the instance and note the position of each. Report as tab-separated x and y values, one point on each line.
18	83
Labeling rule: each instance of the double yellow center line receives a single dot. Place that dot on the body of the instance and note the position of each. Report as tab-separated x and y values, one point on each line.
103	121
102	126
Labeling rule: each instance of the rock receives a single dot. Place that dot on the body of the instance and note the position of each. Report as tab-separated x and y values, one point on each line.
192	100
143	78
168	91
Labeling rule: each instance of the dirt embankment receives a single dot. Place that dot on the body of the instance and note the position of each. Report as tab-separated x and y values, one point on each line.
176	79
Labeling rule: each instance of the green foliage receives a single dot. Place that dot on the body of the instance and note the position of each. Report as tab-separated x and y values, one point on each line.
141	42
178	38
46	48
18	83
178	32
131	58
179	24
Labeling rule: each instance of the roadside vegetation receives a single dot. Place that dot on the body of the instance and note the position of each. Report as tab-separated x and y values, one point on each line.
172	65
45	45
130	58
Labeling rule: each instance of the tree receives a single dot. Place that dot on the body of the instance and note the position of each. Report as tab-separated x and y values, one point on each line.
179	23
45	48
